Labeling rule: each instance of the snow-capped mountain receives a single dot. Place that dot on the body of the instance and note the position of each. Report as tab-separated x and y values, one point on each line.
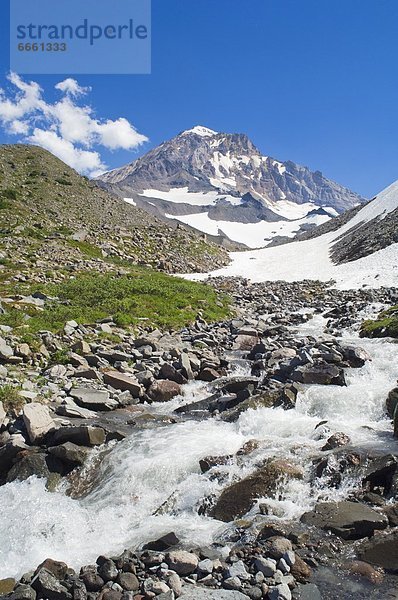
354	252
220	184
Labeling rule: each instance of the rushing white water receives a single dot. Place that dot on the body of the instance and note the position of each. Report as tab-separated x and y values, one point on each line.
160	465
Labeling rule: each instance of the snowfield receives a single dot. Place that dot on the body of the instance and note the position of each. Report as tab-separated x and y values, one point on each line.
310	259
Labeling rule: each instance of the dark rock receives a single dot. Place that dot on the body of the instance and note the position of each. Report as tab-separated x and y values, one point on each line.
349	520
83	435
322	374
382	475
163	390
40	465
108	570
92	581
208	374
239	497
167	371
48	586
128	581
58	569
209	462
381	551
23	592
356	357
300	570
163	543
69	453
336	441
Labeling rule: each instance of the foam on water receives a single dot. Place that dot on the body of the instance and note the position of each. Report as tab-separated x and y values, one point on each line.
159	468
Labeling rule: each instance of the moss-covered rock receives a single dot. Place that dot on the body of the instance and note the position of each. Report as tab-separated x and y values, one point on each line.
386	325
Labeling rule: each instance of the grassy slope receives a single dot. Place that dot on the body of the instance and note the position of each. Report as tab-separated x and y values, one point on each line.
43	203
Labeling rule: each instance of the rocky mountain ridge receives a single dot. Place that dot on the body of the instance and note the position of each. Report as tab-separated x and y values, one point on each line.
208	179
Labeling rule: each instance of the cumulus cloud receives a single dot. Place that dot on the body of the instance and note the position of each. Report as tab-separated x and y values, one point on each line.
71	87
66	128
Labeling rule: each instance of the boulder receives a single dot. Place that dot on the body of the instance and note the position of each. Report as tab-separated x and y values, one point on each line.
83	435
348	520
3	415
300	570
69	408
69	453
9	452
321	374
381	475
381	551
163	543
38	421
237	499
48	586
186	367
121	381
57	568
7	586
23	592
38	464
93	399
364	569
167	371
245	343
6	352
128	581
182	562
356	357
208	374
336	441
163	390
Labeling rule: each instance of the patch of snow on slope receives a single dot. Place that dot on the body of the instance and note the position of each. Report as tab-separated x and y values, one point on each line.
253	235
183	196
130	201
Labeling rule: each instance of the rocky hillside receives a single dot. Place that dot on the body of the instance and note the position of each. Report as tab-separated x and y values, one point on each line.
216	181
53	220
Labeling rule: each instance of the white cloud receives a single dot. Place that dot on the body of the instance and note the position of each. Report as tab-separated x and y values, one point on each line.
70	86
84	161
65	128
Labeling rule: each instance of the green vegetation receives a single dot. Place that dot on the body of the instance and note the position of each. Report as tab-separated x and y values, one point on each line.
143	296
63	181
86	248
9	193
386	325
11	398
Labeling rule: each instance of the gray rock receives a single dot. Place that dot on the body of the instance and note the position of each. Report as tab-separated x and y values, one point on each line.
70	453
238	569
206	566
381	551
38	421
49	587
23	592
349	520
123	382
266	566
310	592
93	399
280	592
69	408
3	415
321	374
232	583
83	435
182	562
175	584
6	351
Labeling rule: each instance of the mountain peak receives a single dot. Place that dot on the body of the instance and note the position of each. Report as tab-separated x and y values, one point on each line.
200	130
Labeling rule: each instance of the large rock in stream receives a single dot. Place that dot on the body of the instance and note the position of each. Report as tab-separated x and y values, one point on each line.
348	520
382	551
237	499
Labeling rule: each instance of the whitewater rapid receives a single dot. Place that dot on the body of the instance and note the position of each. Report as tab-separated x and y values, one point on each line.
151	483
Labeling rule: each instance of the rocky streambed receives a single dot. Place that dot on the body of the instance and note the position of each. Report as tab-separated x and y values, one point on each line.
252	458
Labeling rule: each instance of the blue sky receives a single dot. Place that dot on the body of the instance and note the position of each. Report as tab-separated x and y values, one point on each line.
313	81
